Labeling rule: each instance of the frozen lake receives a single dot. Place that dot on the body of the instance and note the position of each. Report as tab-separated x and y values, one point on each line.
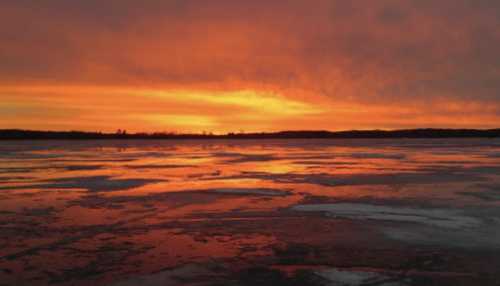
265	212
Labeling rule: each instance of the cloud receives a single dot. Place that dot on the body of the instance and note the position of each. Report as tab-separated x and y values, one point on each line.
406	54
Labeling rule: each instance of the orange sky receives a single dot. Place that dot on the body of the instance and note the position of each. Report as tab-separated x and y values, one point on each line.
222	66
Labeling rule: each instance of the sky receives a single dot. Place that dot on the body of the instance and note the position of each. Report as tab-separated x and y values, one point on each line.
235	65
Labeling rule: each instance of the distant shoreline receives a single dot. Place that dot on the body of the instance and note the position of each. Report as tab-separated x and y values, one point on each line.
17	134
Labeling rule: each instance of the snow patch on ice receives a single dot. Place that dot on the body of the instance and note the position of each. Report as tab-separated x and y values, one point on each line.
447	218
352	278
168	277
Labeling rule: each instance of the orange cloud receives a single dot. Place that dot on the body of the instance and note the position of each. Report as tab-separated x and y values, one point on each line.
227	65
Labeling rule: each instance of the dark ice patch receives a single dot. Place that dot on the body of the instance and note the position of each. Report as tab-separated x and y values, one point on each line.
394	156
488	192
92	184
250	191
9	170
244	158
325	179
164	166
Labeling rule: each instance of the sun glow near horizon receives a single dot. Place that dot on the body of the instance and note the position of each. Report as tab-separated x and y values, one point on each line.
224	66
139	109
195	110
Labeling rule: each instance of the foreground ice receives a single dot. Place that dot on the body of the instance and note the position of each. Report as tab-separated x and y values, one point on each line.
267	212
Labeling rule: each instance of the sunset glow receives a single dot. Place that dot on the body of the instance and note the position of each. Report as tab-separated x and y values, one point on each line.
230	66
249	142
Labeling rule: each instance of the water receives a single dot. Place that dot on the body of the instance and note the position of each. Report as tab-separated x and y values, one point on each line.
266	212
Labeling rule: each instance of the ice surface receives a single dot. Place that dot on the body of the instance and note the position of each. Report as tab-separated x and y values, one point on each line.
245	212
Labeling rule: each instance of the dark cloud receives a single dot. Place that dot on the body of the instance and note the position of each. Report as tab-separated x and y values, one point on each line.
382	50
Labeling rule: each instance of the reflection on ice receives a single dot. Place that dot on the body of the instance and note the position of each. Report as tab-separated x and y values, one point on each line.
222	212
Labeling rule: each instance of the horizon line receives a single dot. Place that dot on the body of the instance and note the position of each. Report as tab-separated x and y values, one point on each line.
214	133
22	134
